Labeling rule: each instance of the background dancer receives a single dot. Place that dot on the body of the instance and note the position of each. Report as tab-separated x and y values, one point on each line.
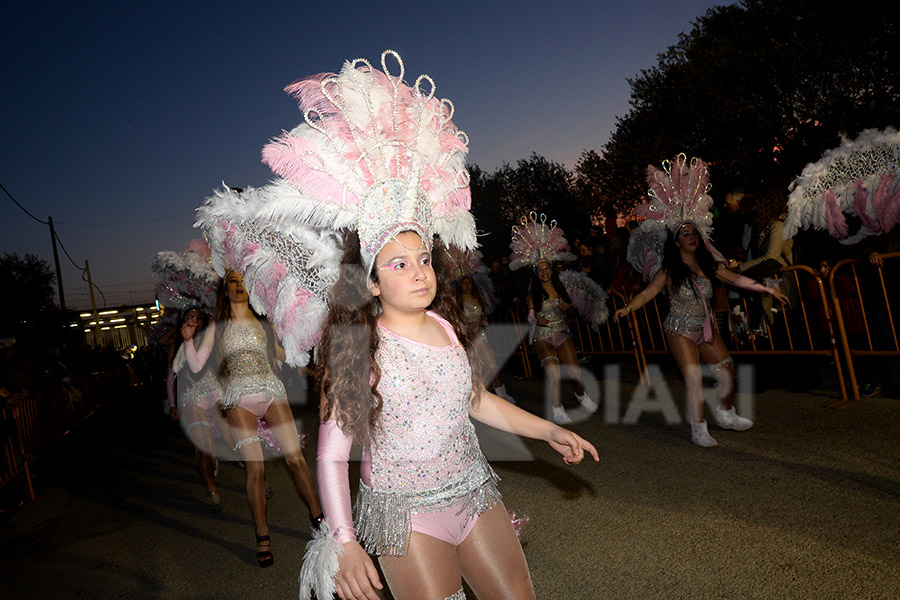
685	267
245	350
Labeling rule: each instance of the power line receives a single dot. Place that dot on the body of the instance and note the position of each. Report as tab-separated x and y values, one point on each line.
66	252
25	210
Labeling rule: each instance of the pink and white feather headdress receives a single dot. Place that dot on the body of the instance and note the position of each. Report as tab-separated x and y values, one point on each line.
859	177
186	279
678	195
535	240
372	155
375	155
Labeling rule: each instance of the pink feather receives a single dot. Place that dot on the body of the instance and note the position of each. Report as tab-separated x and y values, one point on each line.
834	218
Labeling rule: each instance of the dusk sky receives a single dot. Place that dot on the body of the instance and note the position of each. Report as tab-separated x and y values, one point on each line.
118	118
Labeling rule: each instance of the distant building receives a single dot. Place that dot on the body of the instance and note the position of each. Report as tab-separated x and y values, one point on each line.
119	327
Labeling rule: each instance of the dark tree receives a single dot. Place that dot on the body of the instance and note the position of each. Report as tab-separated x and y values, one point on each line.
757	89
502	198
29	292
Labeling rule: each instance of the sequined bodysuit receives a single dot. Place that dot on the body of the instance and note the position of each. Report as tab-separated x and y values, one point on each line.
204	392
689	311
556	322
247	369
472	312
426	456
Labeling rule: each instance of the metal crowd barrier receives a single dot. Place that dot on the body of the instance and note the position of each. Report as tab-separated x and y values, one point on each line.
37	424
793	331
610	338
872	298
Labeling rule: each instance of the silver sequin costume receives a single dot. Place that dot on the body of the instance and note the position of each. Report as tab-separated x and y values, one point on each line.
205	386
247	366
426	456
689	308
556	320
472	312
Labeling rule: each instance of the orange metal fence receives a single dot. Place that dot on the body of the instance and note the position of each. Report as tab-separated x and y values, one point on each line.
802	329
37	424
863	296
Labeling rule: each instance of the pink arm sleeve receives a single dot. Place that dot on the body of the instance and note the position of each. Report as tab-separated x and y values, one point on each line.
332	473
746	283
195	358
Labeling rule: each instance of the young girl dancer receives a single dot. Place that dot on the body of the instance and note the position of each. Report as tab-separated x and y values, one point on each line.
688	265
384	161
428	504
244	349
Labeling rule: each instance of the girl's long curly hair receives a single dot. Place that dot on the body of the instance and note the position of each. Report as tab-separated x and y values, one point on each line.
346	355
679	273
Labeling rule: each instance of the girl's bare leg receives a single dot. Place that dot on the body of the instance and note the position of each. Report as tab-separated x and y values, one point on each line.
429	571
281	422
714	354
569	359
491	559
203	446
243	425
550	361
688	358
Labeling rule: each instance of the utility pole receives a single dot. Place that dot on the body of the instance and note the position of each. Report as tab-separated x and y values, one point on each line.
59	283
98	339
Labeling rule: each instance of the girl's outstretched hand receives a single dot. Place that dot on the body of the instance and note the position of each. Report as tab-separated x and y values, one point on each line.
357	578
571	445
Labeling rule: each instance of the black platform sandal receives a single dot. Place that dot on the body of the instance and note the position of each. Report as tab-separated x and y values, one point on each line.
265	557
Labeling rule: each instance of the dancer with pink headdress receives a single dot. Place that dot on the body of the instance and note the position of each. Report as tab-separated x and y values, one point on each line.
244	350
552	297
380	165
673	251
187	283
477	298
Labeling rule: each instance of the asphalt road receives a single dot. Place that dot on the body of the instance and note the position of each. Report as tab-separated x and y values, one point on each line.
804	505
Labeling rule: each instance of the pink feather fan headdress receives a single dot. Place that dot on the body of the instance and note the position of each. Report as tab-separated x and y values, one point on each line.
678	195
535	240
859	177
375	155
372	155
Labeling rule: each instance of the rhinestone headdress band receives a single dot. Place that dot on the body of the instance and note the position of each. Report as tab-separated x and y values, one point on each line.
186	279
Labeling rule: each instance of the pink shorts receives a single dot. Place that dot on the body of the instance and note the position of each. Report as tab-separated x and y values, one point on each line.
257	404
445	525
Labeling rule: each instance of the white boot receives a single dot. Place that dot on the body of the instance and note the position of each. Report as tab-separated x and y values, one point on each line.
560	417
728	419
586	401
700	435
